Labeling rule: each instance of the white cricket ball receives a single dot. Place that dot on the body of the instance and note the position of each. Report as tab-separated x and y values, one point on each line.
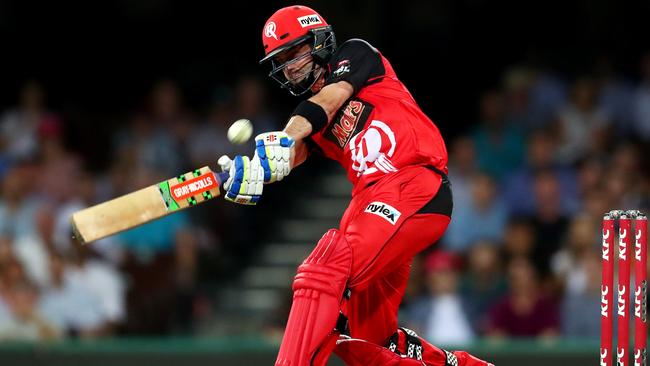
240	131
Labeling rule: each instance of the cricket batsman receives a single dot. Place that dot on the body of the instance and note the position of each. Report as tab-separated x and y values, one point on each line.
348	290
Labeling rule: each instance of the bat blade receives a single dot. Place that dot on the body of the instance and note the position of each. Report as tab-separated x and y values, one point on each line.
148	204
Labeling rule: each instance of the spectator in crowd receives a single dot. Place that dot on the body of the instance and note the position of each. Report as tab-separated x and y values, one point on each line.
579	305
518	186
22	221
483	283
18	126
462	168
145	145
25	322
549	222
440	315
186	261
596	202
210	138
33	250
484	217
74	309
250	102
516	83
17	202
624	177
583	235
525	311
6	260
62	170
101	280
22	319
499	144
519	238
158	137
590	173
582	125
616	97
547	93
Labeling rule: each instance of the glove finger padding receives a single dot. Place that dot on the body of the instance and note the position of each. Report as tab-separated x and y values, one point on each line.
245	184
274	152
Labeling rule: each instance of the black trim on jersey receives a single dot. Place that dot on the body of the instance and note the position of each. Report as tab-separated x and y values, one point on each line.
356	62
313	147
443	202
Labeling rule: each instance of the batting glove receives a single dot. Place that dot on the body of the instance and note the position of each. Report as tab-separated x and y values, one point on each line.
274	152
246	179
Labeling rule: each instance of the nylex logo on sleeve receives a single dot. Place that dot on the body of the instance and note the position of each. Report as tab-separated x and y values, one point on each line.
387	212
308	20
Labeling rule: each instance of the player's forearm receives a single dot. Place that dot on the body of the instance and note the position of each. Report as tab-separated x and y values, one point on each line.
332	97
299	154
329	100
298	128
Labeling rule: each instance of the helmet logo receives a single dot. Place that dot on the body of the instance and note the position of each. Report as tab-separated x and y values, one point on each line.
269	30
309	20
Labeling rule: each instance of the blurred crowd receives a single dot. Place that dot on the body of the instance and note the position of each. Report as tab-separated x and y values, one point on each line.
531	179
531	182
143	281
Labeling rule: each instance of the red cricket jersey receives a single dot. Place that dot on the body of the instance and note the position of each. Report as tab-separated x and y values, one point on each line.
381	129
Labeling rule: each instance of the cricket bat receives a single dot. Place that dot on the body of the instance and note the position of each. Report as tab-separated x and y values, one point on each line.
148	204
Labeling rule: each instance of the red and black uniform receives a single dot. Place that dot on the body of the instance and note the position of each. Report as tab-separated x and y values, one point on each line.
397	160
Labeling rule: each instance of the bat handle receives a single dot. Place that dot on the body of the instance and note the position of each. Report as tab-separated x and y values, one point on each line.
222	177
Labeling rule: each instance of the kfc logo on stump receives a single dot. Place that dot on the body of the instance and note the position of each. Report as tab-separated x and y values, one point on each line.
604	305
605	245
622	254
621	300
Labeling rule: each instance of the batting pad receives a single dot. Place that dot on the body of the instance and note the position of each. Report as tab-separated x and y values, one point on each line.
318	291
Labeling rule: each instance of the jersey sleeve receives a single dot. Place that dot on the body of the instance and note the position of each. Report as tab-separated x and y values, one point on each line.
356	62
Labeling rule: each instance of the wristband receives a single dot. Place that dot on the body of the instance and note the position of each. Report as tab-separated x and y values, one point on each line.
314	113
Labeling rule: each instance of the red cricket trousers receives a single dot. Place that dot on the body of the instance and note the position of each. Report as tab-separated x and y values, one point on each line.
386	225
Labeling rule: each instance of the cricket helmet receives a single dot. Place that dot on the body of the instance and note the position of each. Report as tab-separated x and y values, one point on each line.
290	27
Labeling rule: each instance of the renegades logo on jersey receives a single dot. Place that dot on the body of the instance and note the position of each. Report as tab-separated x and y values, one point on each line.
348	122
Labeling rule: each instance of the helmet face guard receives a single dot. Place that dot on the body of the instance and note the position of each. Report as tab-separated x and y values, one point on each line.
323	44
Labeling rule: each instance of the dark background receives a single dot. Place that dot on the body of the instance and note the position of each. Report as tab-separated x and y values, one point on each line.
97	59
